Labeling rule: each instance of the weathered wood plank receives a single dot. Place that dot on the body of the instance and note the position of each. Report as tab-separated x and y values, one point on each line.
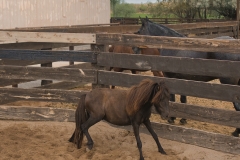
215	141
212	67
194	44
49	55
205	114
82	66
34	45
200	138
19	37
20	62
63	85
8	82
63	74
37	114
183	87
47	95
124	28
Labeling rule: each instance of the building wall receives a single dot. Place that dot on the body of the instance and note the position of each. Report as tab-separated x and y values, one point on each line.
37	13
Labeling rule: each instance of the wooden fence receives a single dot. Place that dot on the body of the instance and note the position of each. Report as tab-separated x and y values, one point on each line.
34	38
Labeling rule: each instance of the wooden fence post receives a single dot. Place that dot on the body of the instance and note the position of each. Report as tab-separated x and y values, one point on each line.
99	48
71	48
238	17
45	82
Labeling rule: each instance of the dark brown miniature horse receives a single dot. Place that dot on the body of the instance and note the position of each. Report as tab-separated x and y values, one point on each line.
121	107
136	50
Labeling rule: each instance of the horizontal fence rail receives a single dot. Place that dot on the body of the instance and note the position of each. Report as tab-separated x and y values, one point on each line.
123	28
36	114
63	74
205	139
194	66
183	43
48	55
176	86
18	37
205	114
48	95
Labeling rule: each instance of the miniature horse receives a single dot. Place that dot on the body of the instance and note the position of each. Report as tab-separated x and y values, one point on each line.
122	107
134	50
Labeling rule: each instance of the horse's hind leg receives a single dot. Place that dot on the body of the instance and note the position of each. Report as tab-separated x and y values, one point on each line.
85	126
139	143
147	123
72	138
183	99
172	99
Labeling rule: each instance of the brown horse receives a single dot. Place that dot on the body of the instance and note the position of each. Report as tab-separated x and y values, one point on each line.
150	51
122	107
135	50
121	49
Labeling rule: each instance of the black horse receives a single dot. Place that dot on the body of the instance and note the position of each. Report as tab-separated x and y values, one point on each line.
122	107
153	29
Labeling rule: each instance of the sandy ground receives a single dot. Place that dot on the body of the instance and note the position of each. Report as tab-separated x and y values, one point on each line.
49	140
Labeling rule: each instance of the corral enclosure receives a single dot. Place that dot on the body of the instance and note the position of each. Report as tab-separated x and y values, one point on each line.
50	24
39	38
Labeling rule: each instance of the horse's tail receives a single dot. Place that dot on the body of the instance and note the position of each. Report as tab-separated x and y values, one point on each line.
81	116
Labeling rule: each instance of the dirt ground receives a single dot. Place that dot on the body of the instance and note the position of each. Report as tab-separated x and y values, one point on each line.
49	140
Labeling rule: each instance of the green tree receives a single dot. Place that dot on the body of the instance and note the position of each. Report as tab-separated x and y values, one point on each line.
113	5
124	10
226	8
160	9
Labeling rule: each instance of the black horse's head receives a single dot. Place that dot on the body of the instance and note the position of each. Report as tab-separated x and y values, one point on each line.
150	28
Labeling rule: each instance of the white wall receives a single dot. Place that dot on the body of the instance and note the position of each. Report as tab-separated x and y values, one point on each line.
37	13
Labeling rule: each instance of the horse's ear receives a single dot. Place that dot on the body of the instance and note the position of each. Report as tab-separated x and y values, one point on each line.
147	18
141	19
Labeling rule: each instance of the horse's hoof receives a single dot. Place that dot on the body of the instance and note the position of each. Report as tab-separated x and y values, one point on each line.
162	152
235	134
141	158
171	121
90	146
183	121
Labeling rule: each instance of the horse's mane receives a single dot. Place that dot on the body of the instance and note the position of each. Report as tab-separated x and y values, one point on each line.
140	94
161	30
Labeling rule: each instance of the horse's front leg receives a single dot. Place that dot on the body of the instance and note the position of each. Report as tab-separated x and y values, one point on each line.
139	143
147	123
234	81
